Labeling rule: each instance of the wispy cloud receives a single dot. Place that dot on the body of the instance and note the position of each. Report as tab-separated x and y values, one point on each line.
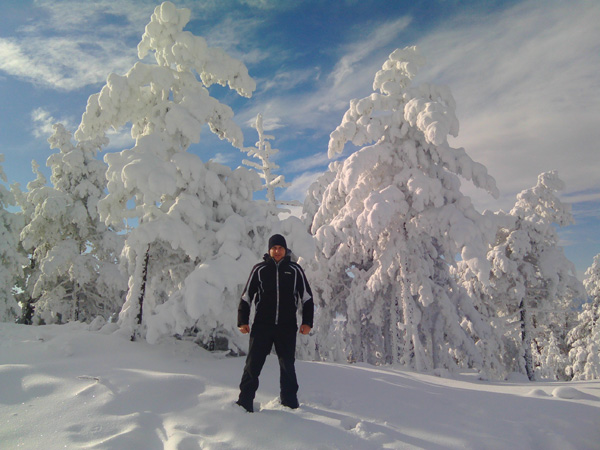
269	123
77	45
321	105
43	122
299	186
360	51
234	34
290	79
222	158
61	63
308	163
118	19
527	89
269	4
119	139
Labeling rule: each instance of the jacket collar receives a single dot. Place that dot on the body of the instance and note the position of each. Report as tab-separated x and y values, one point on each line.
269	259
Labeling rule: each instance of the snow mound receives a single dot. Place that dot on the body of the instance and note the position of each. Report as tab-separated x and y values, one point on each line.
537	393
570	393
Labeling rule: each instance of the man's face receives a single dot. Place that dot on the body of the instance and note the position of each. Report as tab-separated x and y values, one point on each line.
277	252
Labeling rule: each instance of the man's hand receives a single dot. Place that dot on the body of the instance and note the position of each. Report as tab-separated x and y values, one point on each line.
245	329
305	329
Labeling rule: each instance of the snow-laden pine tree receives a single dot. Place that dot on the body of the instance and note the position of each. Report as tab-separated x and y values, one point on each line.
264	152
532	284
189	216
390	225
37	192
74	253
584	338
11	257
330	342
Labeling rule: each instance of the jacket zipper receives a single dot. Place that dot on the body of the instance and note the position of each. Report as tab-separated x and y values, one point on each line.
277	286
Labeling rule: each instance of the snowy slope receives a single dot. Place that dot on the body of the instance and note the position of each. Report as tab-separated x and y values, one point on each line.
69	387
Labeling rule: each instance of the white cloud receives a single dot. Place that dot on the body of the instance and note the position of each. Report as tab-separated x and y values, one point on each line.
222	158
528	92
77	44
233	34
269	4
269	123
112	18
120	139
299	186
290	79
63	63
310	162
43	122
362	49
322	107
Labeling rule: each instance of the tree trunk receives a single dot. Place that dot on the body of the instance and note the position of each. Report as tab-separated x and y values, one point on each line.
526	342
142	293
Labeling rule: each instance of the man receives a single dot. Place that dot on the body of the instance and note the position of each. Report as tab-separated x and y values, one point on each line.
277	286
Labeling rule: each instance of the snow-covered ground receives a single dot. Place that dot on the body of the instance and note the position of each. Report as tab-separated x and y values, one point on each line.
69	387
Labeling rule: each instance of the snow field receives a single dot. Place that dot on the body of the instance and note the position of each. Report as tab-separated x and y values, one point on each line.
65	386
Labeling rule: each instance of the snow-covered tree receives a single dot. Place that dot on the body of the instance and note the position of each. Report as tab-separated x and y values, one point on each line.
74	254
11	257
584	338
187	211
532	283
316	194
552	360
329	323
28	201
263	151
391	223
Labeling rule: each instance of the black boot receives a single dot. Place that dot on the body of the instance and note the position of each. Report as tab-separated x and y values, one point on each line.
247	405
290	403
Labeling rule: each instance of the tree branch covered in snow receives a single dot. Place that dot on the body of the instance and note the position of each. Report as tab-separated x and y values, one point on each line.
263	151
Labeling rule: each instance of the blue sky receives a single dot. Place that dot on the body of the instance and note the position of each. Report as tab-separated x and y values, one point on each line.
525	76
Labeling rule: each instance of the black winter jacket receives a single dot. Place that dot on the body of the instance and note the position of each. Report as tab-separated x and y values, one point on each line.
277	291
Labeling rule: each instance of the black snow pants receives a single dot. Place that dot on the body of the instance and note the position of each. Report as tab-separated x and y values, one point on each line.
262	339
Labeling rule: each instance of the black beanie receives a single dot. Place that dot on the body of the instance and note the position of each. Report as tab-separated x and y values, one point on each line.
277	239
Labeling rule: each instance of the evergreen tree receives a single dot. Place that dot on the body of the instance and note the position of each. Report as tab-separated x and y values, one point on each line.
182	206
584	338
11	257
552	360
30	203
532	284
389	227
76	275
264	152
